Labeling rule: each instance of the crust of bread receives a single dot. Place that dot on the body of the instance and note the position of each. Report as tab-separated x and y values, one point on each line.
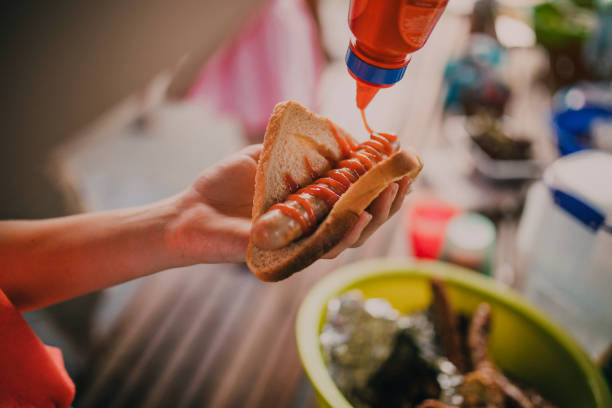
274	265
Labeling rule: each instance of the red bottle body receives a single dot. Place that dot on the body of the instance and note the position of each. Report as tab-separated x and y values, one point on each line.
386	32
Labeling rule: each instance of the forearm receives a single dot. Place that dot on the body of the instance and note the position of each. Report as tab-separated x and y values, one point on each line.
47	261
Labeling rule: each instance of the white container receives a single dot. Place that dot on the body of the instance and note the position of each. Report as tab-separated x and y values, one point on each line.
470	241
565	246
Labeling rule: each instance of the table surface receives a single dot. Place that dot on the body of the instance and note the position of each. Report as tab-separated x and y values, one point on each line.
213	335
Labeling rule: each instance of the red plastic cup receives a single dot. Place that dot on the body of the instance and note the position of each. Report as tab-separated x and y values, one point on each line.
425	225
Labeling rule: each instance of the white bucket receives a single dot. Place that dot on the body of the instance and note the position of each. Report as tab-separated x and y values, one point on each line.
565	246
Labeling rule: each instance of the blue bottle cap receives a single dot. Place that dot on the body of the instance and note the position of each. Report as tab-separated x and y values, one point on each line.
371	73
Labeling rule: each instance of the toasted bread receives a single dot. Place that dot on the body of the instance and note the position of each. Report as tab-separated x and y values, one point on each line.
294	133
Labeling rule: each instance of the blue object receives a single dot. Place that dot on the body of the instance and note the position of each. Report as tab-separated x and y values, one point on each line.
571	120
583	212
371	73
572	127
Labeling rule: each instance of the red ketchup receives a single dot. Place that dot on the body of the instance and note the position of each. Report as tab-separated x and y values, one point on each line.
385	34
357	159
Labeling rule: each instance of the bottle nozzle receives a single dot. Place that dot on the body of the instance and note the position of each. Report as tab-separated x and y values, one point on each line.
365	94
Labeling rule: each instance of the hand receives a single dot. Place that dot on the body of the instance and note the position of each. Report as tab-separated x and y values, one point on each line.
214	218
382	208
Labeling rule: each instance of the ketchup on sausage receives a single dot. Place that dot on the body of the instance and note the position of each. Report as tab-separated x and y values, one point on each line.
357	160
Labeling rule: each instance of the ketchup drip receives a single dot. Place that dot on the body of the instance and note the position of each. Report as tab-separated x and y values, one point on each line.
346	146
357	160
293	213
291	184
312	172
305	223
363	117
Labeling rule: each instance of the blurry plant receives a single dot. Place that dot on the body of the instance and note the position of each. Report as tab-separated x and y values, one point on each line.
562	28
561	24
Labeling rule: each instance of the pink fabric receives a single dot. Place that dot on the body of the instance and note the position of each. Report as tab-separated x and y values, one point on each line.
275	56
31	374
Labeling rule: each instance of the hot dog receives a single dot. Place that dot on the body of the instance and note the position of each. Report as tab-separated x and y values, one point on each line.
301	212
313	181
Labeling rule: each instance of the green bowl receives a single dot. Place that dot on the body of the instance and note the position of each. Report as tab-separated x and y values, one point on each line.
524	343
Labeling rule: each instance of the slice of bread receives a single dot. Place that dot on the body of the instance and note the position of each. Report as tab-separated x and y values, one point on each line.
295	136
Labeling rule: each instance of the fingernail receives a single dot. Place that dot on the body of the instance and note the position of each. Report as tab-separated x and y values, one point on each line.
395	189
409	186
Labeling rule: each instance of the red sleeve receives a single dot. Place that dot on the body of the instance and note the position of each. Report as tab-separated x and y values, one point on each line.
31	374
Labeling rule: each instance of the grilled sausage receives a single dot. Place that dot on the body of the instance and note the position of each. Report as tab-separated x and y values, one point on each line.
276	229
302	212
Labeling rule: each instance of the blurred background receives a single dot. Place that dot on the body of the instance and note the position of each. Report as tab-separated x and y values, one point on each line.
114	104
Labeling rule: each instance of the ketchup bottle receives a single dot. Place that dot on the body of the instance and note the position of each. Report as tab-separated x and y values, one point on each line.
385	34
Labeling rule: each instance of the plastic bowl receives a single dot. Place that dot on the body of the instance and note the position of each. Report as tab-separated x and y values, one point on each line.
524	343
